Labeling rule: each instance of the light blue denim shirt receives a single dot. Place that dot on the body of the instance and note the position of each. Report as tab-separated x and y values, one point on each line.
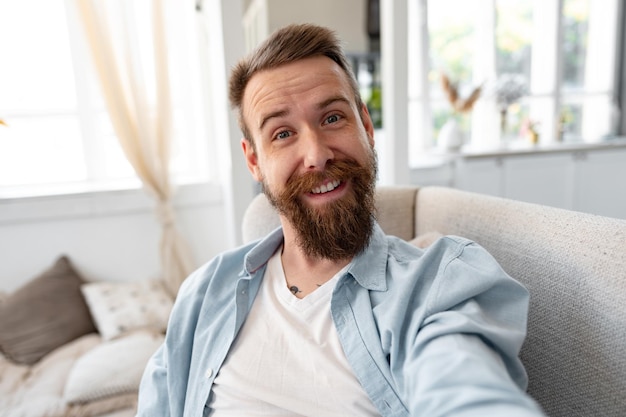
433	332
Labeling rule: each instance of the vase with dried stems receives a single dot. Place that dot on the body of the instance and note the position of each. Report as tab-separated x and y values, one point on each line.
451	136
508	89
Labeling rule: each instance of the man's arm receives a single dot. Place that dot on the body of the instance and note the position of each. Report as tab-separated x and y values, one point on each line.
464	360
163	389
154	392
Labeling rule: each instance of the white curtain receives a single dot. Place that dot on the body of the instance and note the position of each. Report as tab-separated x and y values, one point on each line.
128	42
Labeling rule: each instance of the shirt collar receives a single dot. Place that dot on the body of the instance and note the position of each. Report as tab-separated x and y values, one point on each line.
262	251
368	268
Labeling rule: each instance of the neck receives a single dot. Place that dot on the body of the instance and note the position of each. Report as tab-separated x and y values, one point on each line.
304	271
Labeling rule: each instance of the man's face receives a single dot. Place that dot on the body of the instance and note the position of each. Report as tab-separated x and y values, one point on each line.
314	154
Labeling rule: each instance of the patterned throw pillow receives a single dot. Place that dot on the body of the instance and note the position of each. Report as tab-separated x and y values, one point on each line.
120	307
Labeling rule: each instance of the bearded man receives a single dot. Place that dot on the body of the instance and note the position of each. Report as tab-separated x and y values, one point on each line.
328	316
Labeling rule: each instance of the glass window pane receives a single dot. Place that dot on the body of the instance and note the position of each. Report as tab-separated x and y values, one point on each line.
36	71
451	38
514	29
40	151
108	153
116	166
190	128
585	118
570	122
575	25
589	36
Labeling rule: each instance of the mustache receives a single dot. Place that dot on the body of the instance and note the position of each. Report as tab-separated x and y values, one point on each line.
340	170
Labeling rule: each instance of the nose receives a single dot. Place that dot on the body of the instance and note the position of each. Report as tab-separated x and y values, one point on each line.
317	151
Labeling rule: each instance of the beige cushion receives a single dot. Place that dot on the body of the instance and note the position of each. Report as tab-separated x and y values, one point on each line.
112	368
44	314
259	219
425	239
123	405
396	210
121	307
37	390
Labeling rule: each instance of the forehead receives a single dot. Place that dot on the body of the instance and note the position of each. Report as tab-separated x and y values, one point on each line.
309	79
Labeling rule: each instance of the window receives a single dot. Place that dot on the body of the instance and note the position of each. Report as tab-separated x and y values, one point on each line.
561	53
58	134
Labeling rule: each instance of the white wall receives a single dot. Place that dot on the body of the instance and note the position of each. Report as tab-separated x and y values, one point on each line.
108	235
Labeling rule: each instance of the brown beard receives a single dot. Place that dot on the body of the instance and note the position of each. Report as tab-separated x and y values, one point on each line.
340	229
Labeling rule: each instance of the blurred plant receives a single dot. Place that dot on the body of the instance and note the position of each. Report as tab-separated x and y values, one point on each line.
507	90
459	104
375	107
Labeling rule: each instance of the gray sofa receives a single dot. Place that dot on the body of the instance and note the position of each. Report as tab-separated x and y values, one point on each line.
573	264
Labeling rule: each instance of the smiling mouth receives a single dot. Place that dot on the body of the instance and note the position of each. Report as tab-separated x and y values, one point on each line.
326	187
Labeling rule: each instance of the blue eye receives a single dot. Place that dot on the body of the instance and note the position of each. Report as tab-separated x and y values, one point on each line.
283	135
332	119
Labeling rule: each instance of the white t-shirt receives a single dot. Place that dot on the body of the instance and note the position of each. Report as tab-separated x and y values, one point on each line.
287	359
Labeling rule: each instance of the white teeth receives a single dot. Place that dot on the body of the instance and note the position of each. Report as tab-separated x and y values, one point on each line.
326	187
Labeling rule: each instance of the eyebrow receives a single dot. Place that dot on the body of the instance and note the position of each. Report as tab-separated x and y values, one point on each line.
332	100
278	113
319	106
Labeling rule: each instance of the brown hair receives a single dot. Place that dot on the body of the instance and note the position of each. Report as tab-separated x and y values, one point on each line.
289	44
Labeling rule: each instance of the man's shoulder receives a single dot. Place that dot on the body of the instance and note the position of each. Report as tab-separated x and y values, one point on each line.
227	264
224	270
431	244
449	260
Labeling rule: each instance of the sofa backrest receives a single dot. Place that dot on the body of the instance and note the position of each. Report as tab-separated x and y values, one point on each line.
574	265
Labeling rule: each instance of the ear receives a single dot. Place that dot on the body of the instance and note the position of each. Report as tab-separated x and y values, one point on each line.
367	124
252	159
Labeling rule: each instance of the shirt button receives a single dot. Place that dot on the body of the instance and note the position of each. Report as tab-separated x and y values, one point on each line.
208	373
